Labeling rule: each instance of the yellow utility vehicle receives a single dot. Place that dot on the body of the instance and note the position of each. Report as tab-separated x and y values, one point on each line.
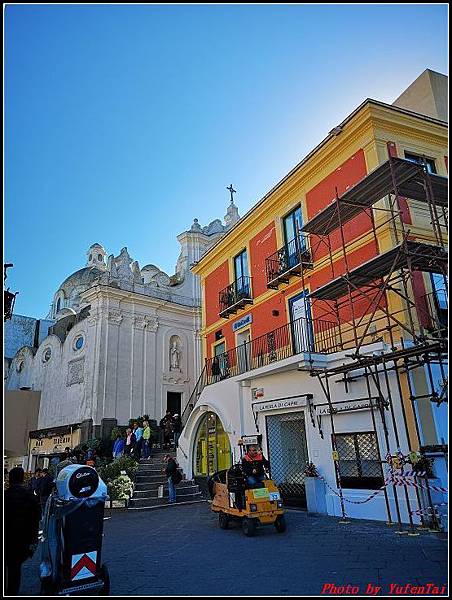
254	507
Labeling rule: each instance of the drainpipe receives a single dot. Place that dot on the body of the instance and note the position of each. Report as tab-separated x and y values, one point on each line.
243	385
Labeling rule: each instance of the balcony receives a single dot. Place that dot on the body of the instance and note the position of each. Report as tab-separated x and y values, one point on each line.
235	297
288	261
300	336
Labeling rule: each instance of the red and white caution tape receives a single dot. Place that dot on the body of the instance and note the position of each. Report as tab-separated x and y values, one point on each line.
392	479
354	501
428	511
403	480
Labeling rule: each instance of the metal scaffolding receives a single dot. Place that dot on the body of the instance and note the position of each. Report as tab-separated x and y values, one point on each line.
359	299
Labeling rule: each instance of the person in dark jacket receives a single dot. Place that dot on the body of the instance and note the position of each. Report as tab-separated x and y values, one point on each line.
170	470
22	515
254	465
177	428
46	487
166	428
130	444
35	482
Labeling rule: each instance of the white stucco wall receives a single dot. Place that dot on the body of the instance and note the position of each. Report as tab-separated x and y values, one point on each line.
123	369
231	400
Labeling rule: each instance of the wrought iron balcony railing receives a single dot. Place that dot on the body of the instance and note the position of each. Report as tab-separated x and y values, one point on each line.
302	335
287	261
235	296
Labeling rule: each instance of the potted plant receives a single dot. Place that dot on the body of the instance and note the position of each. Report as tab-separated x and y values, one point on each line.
315	490
120	490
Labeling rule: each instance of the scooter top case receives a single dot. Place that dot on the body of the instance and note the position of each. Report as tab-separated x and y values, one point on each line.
79	521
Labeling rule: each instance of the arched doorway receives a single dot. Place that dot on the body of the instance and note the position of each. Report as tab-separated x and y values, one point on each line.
212	449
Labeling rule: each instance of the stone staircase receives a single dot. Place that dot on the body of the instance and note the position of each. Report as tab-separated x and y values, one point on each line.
149	477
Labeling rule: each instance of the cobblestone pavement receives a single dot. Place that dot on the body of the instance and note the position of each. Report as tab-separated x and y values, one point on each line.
181	550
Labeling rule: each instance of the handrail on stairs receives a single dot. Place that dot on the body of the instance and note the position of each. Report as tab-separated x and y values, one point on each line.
200	385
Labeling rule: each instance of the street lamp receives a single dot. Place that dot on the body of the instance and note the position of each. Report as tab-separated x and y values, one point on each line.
8	297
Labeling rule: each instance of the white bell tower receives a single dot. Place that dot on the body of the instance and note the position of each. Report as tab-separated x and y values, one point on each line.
96	256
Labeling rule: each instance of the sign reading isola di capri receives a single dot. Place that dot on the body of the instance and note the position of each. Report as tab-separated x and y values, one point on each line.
278	404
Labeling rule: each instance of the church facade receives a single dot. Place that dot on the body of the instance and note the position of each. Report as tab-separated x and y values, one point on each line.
125	342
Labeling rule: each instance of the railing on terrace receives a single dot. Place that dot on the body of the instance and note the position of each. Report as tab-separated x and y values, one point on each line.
302	335
237	295
287	261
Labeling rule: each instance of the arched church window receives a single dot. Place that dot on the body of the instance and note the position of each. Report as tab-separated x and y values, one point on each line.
20	366
99	257
58	305
47	354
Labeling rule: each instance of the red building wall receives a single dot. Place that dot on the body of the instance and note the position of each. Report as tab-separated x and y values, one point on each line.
320	196
215	282
418	279
262	246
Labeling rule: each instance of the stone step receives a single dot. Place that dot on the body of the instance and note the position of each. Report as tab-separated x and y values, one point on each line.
180	488
143	486
160	454
152	478
148	502
165	505
149	471
155	457
152	463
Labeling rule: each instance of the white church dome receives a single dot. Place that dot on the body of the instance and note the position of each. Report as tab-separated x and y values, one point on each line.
81	278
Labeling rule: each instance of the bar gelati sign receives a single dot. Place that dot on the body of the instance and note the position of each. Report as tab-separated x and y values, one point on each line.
278	404
246	320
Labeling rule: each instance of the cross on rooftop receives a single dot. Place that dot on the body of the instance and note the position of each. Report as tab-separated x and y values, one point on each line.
232	191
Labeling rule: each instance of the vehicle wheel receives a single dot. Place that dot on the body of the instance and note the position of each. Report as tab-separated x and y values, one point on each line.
280	524
249	526
105	575
223	519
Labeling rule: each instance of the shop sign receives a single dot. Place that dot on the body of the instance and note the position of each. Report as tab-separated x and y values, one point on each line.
50	445
250	440
344	408
243	322
278	404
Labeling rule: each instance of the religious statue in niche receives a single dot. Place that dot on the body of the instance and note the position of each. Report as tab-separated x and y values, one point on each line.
175	355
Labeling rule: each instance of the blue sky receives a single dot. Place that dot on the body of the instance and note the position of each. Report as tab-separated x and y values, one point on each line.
124	122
